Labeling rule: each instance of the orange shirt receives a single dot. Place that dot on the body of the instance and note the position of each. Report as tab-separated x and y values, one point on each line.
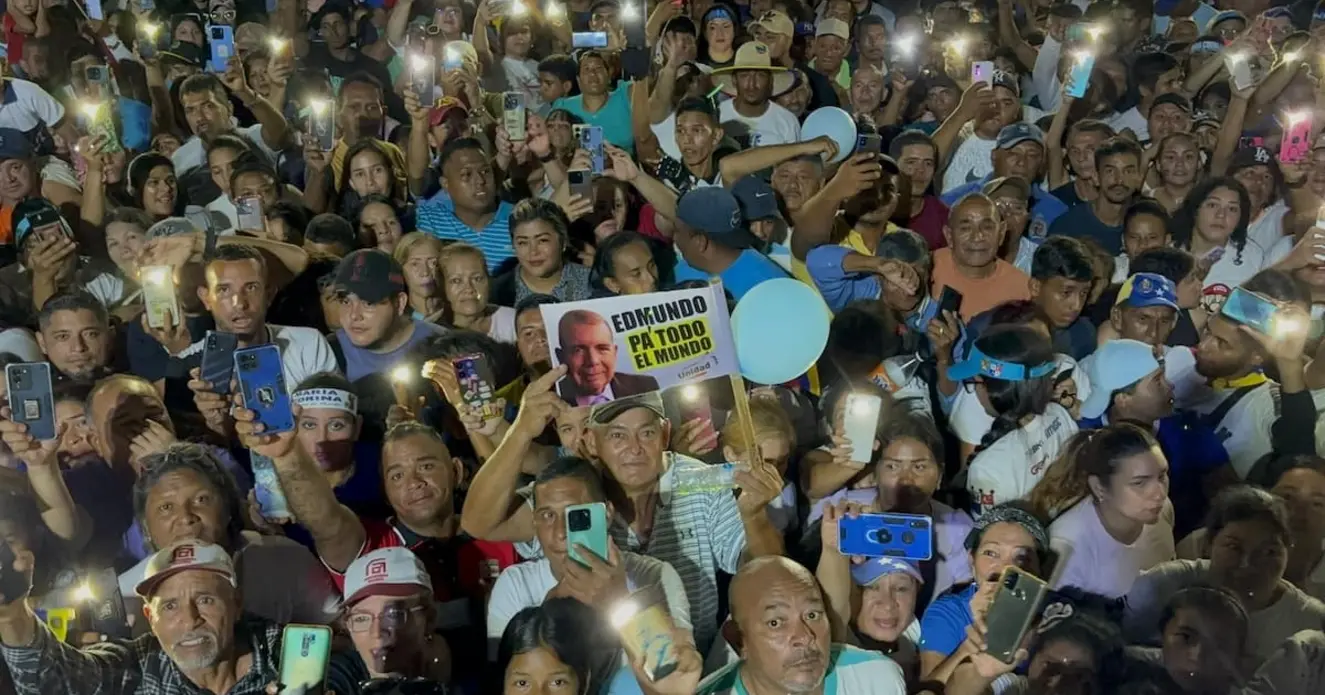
1007	284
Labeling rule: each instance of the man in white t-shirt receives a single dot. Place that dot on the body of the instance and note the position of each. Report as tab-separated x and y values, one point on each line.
208	110
753	80
594	581
989	111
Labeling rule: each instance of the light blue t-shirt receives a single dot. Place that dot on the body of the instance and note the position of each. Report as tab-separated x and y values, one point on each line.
613	118
749	269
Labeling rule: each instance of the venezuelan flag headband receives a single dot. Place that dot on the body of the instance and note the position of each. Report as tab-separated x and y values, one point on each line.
980	364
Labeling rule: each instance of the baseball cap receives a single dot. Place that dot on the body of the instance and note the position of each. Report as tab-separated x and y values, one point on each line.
875	568
1147	289
755	198
1023	188
776	22
14	144
714	212
681	23
977	363
1017	133
1177	100
604	413
444	107
831	26
185	52
1006	80
1116	365
1206	44
939	80
386	572
181	556
1223	17
32	214
1250	157
371	275
1204	118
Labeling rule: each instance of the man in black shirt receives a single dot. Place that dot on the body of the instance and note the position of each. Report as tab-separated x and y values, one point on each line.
341	59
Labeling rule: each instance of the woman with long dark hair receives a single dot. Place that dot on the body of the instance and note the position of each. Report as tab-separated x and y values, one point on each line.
1212	225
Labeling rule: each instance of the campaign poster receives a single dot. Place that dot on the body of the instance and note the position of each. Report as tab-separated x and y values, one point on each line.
624	346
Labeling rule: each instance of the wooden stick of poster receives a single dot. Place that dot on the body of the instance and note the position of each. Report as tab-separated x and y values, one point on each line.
742	402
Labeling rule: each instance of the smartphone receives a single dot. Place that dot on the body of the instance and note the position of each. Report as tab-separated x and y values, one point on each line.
94	10
249	214
1078	80
107	605
588	39
261	379
452	60
322	126
513	115
101	127
147	42
869	143
475	377
1014	609
1240	70
1251	310
1296	144
98	81
305	654
670	170
423	75
1253	141
950	300
694	404
586	525
222	40
860	421
906	536
31	398
218	360
591	139
647	631
159	295
147	5
267	489
982	71
581	182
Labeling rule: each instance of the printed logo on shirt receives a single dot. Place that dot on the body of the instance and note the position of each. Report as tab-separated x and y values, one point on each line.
1039	228
984	499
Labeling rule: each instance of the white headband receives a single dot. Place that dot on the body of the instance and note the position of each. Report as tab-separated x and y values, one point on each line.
327	398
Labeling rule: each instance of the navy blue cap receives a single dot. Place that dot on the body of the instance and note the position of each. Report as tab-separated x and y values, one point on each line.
1017	133
14	144
756	198
714	212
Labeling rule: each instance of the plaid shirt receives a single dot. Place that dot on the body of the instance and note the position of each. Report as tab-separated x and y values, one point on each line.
132	667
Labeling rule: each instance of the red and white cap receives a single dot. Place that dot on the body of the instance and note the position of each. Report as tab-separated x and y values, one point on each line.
386	572
181	556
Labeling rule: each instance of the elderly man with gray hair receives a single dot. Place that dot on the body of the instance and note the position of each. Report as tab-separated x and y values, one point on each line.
185	493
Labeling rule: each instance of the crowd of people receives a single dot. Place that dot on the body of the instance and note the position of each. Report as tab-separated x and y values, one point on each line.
1074	252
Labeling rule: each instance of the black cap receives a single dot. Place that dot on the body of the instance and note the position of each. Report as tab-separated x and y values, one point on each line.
1177	100
185	52
371	275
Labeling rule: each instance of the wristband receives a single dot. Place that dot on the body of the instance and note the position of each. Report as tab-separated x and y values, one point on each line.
551	155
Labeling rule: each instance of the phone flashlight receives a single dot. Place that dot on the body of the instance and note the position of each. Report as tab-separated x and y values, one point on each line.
622	612
1236	58
555	10
418	62
401	374
1082	56
906	45
1292	56
453	55
958	46
1284	326
1294	117
157	277
518	9
277	44
860	406
690	393
83	593
1096	32
90	109
319	106
149	30
629	12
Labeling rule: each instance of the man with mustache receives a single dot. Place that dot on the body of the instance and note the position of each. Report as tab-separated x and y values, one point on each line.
201	640
779	625
210	113
1118	169
360	113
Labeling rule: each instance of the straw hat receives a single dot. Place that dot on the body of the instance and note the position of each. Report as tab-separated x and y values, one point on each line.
753	55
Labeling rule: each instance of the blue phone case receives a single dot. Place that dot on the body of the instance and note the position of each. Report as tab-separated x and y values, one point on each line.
586	525
262	382
31	398
1250	309
1079	79
94	10
905	536
222	40
591	139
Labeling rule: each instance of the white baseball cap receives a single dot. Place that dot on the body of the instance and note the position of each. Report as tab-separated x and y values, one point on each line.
386	572
181	556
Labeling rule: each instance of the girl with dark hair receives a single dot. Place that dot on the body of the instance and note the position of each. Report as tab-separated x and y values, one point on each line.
369	171
1178	163
718	31
1071	652
378	222
1109	491
1249	535
1203	636
625	263
1302	488
540	237
153	185
1010	371
1212	225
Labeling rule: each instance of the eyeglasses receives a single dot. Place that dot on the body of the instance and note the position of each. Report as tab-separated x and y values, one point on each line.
1010	205
394	616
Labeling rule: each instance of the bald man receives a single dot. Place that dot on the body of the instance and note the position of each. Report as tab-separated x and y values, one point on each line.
975	232
589	352
779	625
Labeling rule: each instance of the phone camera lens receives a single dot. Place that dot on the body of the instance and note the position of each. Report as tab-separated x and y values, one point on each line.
578	520
885	536
908	538
1010	581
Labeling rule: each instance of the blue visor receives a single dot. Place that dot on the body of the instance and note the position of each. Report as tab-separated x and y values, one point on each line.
873	569
980	364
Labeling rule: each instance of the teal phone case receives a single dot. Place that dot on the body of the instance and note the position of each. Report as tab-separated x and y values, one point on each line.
586	525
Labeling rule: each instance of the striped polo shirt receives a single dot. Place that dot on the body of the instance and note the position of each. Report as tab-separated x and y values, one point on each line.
436	216
697	533
851	671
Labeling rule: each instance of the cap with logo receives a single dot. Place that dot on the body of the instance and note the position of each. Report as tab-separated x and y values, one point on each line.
371	275
1006	80
756	198
604	413
386	572
832	26
876	568
1253	156
1017	133
775	22
1142	290
714	212
184	556
14	144
444	108
977	363
1116	365
186	53
33	214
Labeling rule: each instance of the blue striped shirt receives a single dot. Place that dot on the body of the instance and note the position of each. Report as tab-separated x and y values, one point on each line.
436	216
